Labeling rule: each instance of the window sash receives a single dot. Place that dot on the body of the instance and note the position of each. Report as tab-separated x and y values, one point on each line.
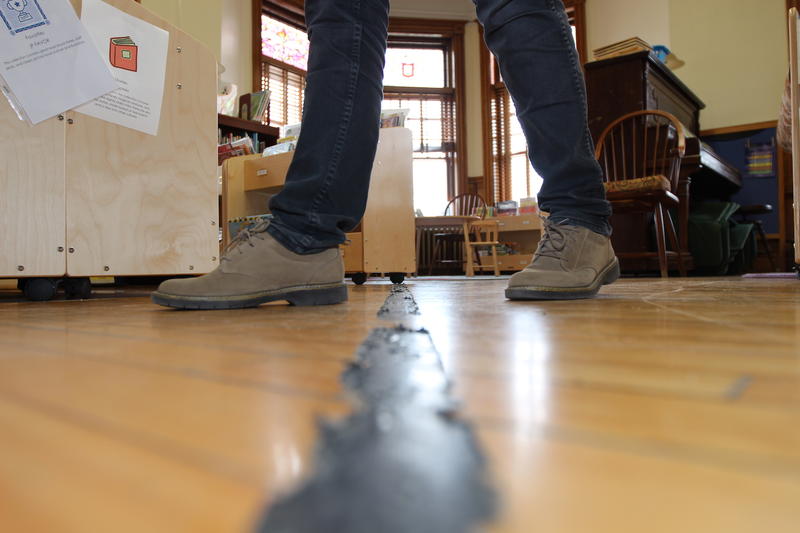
284	79
499	116
287	92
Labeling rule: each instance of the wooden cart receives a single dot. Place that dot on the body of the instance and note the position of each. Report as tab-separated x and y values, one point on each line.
81	197
382	244
794	57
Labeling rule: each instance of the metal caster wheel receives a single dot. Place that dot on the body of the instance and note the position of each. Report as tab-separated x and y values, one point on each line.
39	289
397	277
77	288
359	278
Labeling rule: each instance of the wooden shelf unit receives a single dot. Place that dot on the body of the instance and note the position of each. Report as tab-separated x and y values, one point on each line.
382	244
525	231
83	197
261	134
249	126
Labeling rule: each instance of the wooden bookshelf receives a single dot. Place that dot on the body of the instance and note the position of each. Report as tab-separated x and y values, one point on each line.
248	126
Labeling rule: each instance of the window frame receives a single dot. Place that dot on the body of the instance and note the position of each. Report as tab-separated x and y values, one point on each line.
409	32
449	36
496	182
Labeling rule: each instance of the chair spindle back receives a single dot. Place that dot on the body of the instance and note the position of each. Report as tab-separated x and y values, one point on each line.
466	205
641	144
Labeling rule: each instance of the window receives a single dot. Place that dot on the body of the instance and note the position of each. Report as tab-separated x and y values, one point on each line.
423	61
284	43
430	119
282	61
511	175
417	77
414	67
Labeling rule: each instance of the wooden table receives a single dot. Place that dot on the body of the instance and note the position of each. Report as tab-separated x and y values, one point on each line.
451	223
525	228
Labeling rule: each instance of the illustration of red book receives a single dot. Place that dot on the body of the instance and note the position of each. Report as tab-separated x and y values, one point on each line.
123	53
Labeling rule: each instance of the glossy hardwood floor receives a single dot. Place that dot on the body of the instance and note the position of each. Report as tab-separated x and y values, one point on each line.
661	406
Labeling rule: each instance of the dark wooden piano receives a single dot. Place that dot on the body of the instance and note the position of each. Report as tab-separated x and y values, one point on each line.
640	81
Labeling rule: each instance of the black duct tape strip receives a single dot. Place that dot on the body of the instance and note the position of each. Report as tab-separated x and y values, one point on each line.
403	462
399	302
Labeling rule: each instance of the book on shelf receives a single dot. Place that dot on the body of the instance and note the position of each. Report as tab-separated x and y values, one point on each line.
253	106
628	46
242	146
256	143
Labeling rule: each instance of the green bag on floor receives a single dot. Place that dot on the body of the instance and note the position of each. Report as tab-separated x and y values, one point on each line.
715	240
743	247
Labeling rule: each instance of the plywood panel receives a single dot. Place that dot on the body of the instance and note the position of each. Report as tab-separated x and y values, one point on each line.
139	204
353	252
31	196
389	220
236	203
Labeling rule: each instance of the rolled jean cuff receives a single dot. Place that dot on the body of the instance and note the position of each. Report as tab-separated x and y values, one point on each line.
602	227
293	241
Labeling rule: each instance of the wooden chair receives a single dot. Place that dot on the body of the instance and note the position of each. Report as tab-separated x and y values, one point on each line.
466	205
462	205
481	233
641	154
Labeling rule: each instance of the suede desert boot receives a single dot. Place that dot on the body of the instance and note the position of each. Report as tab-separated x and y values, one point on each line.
258	269
571	262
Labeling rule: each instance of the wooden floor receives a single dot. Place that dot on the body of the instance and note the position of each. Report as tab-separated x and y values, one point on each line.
662	406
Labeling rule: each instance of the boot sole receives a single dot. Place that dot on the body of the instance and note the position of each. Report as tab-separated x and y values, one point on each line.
299	296
609	275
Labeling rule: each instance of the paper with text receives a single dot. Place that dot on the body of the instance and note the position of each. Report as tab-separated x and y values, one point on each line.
48	63
136	52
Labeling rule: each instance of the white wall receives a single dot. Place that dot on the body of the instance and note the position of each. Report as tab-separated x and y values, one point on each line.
236	46
736	57
735	50
610	21
472	44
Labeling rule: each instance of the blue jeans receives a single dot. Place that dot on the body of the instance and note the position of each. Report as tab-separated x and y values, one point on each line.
327	183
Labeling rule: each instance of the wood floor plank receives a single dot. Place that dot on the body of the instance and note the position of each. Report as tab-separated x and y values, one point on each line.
557	487
239	432
661	406
56	476
727	435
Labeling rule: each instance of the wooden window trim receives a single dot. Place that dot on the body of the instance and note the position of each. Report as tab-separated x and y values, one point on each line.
491	82
417	32
576	10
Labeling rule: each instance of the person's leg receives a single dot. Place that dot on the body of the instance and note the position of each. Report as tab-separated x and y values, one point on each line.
296	256
326	187
533	44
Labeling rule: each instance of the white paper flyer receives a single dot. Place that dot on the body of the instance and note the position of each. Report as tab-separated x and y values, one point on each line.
48	64
136	52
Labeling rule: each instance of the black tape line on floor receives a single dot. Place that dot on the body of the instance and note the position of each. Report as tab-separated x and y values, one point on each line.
402	462
399	302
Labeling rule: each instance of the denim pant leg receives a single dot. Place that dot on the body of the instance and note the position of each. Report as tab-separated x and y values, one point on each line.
533	44
327	183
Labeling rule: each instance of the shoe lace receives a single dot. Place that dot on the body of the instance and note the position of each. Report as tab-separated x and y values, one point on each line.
553	239
245	236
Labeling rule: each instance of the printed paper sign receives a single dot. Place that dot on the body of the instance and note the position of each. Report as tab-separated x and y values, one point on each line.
47	62
136	52
21	15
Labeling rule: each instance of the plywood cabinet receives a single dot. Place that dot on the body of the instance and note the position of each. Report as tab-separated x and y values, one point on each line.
84	197
383	243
